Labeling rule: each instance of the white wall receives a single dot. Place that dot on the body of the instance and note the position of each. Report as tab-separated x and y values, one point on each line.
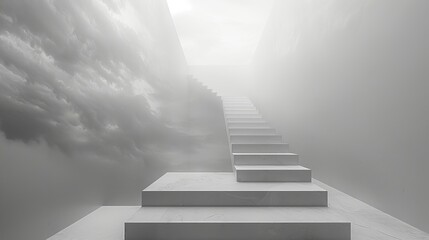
347	83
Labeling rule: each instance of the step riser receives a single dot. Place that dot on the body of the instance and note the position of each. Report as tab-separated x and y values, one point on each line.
237	102
273	175
239	109
242	115
241	112
231	120
266	160
248	120
260	148
238	231
234	198
256	139
238	105
248	124
235	117
235	98
252	131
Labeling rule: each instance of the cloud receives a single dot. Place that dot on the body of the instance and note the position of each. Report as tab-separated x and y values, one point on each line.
219	31
84	76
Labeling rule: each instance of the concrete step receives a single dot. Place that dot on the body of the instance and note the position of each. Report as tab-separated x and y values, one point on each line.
242	115
265	159
245	120
234	97
272	173
237	103
242	112
221	189
238	223
248	120
260	147
274	138
247	124
236	100
239	108
253	130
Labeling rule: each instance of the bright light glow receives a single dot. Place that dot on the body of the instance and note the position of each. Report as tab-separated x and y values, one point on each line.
179	6
214	32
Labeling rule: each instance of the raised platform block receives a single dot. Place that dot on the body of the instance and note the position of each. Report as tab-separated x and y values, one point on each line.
260	147
248	124
253	130
274	138
271	173
238	223
265	158
222	189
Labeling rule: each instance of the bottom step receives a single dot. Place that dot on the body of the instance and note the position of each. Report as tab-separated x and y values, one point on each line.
238	223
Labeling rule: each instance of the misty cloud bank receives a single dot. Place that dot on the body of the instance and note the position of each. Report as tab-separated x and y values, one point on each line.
81	76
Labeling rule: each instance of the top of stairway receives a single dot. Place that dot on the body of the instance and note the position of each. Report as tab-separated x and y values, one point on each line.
223	181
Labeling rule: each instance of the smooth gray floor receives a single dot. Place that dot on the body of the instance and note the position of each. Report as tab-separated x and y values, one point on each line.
368	223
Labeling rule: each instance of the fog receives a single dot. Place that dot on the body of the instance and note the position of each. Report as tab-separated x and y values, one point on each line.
97	101
219	32
347	83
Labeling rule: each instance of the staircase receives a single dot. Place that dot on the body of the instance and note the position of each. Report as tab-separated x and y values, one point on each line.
268	196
